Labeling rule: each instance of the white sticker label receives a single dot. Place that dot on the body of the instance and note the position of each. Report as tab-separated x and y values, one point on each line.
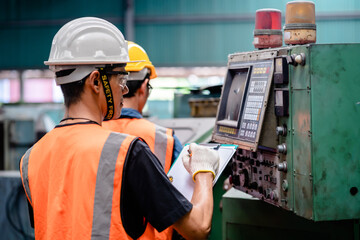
286	35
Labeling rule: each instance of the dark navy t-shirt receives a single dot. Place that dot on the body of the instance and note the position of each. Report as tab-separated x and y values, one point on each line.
147	195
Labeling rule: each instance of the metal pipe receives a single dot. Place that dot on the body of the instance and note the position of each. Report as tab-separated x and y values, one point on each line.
22	88
235	18
129	20
173	19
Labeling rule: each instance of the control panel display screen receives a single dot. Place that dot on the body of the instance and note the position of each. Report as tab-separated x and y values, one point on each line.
243	102
234	101
230	111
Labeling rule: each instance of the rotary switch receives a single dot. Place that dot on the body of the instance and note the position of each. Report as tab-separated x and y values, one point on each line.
281	130
281	148
282	167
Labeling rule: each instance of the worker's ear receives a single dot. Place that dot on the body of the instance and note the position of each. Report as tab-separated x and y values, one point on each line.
94	81
143	87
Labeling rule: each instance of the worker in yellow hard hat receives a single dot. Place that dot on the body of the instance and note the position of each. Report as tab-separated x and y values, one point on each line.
162	141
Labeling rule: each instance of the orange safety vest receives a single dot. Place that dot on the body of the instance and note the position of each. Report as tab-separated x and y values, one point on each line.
161	143
72	178
159	139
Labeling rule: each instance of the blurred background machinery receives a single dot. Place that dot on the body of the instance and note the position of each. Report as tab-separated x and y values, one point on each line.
21	126
14	217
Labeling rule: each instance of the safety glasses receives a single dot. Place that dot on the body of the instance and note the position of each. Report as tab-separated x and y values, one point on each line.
149	87
121	76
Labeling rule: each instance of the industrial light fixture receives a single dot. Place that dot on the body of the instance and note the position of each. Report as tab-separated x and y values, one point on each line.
267	33
300	27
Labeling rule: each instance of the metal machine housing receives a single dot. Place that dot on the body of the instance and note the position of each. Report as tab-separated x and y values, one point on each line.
305	157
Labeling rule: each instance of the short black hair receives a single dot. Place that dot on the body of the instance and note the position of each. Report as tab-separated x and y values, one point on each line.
72	91
134	85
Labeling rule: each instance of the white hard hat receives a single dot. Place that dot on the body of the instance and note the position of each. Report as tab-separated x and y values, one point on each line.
84	44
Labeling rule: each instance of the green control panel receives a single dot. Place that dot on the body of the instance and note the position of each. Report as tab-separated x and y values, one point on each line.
294	112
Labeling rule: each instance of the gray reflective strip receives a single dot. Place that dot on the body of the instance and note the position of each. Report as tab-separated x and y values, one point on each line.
160	144
25	172
104	186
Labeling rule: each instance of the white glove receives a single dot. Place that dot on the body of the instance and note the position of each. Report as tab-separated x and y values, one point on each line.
201	159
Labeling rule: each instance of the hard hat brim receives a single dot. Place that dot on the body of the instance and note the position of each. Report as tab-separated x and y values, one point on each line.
51	63
138	75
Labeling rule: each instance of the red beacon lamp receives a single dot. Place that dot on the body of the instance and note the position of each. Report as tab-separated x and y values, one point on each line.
267	33
300	27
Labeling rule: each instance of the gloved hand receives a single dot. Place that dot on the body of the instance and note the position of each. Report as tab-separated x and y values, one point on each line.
201	159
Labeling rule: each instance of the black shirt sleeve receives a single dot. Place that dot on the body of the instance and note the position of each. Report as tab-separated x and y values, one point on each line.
147	195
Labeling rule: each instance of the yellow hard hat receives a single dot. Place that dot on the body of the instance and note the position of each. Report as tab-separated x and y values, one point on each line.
137	53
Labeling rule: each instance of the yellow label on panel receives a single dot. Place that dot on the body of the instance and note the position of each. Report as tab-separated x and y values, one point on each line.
227	130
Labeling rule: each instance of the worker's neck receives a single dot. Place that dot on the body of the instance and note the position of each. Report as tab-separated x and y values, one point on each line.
133	102
85	108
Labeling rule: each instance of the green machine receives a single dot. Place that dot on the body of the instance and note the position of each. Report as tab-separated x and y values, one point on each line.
294	112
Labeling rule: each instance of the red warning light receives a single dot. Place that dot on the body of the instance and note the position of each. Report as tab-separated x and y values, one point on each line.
267	33
268	19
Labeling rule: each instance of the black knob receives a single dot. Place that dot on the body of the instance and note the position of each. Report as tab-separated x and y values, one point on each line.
244	178
253	185
234	166
268	192
236	180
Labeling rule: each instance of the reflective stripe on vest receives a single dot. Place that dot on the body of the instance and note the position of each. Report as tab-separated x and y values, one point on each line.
103	189
25	176
160	143
159	139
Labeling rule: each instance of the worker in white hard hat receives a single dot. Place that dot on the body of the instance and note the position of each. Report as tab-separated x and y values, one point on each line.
85	182
162	141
